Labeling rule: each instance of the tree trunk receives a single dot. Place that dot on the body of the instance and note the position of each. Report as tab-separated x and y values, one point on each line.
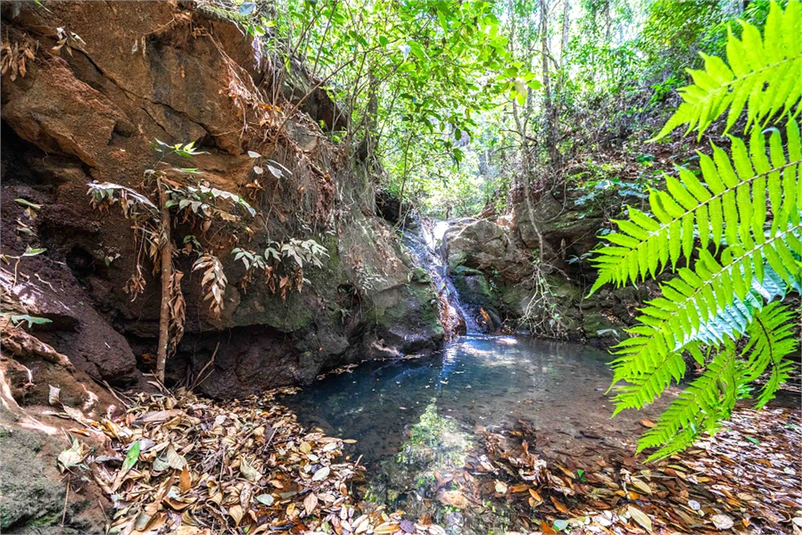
564	42
166	247
548	104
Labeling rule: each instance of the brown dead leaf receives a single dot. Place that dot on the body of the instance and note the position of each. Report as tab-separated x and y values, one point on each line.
559	505
185	480
310	503
454	498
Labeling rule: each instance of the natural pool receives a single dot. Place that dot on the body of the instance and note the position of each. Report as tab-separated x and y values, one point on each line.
418	421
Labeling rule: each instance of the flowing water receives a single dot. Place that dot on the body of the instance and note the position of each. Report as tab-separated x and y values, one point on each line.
416	420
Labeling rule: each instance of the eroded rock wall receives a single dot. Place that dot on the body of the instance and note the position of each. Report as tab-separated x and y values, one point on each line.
495	270
143	71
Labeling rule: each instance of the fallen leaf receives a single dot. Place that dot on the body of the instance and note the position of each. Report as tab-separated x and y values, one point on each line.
71	457
130	457
266	499
642	486
722	522
249	472
321	474
546	528
641	518
185	480
53	395
559	505
236	512
310	503
454	498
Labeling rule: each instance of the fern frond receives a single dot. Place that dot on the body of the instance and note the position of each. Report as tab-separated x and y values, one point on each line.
735	318
736	196
712	396
762	74
693	304
706	400
747	206
771	338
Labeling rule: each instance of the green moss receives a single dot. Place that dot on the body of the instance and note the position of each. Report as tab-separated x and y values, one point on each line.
457	259
49	519
420	275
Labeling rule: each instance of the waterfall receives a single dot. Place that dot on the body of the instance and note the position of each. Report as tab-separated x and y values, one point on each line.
425	243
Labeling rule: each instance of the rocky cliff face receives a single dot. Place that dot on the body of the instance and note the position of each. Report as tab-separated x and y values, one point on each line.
129	73
498	271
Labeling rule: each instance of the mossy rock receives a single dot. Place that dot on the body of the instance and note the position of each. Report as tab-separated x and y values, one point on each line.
456	259
419	274
475	290
597	325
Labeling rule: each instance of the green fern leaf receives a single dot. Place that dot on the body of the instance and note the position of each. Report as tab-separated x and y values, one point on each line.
694	306
763	76
744	210
705	401
771	338
729	204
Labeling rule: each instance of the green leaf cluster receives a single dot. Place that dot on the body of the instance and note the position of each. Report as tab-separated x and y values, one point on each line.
731	237
761	75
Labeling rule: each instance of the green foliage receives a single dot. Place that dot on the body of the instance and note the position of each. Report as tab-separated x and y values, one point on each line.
730	205
762	76
18	319
732	237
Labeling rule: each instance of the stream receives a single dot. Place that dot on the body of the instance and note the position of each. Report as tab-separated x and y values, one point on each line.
419	421
418	424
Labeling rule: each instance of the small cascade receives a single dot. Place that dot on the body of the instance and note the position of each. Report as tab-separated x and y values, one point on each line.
423	244
429	251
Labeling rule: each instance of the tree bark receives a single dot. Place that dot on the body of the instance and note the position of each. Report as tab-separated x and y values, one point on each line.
548	104
166	247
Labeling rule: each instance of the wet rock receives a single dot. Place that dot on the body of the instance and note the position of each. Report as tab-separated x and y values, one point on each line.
566	231
485	245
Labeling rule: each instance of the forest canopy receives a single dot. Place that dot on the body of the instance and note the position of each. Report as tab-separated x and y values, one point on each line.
452	98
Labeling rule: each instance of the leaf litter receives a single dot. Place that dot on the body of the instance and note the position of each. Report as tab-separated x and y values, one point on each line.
190	466
723	484
186	465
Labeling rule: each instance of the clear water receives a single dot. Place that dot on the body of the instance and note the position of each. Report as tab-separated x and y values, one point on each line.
413	418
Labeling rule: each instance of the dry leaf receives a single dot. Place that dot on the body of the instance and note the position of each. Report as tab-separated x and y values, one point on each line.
185	480
453	498
641	486
248	472
53	395
236	513
321	474
641	518
559	505
310	503
722	522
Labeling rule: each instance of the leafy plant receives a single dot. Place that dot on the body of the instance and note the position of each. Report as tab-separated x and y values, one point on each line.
198	204
731	237
18	319
283	264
